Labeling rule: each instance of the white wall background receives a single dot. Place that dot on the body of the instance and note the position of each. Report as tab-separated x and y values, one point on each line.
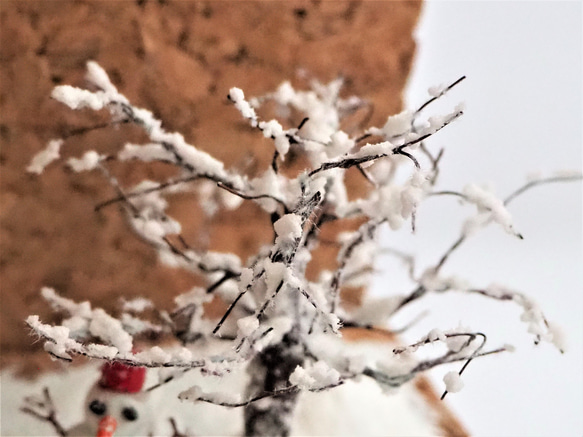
523	100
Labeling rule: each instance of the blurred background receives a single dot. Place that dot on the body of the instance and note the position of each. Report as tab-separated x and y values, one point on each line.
524	111
523	96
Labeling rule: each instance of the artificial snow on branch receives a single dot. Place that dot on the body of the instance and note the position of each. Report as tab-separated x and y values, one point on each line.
276	320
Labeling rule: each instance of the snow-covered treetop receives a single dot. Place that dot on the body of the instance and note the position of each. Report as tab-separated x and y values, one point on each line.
270	300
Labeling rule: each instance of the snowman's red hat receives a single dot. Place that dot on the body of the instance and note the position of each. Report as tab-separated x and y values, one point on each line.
121	378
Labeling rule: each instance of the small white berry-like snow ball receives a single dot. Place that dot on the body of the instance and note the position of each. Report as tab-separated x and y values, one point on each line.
116	405
453	382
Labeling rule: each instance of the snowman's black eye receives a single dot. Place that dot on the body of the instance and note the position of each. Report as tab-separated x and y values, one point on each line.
130	413
97	407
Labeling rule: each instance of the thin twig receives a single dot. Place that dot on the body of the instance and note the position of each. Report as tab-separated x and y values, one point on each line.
270	394
234	303
159	187
352	161
433	99
167	380
533	184
84	129
253	197
45	403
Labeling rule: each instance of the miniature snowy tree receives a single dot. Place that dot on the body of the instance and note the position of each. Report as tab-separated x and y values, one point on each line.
279	327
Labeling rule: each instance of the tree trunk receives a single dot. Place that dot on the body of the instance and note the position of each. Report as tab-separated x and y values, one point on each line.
271	371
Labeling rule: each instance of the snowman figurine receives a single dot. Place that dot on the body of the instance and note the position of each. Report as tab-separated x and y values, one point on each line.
116	405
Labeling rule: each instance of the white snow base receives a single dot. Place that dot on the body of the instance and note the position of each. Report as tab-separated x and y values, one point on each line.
356	408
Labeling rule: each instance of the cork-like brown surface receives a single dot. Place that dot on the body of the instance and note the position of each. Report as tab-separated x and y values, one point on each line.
178	59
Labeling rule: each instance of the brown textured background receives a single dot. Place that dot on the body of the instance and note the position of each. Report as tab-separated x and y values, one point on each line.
178	59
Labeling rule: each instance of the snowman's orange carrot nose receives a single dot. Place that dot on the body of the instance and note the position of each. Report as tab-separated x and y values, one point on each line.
106	427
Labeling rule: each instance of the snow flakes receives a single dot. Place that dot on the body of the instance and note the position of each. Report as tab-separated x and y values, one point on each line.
302	378
97	76
134	326
279	326
532	316
148	218
485	201
376	311
196	161
59	334
321	106
435	335
238	98
57	350
229	200
319	184
498	291
332	321
453	382
45	157
245	278
222	398
137	305
101	350
196	296
272	307
340	144
145	153
315	376
191	395
557	336
177	150
110	330
151	229
459	340
399	365
89	161
155	355
288	228
385	203
437	90
195	394
82	309
273	129
284	93
182	355
77	326
398	124
58	343
374	150
430	280
149	201
272	184
76	98
395	203
247	325
356	364
277	273
212	261
413	192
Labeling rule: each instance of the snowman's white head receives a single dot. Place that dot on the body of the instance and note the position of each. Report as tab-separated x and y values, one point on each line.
116	405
